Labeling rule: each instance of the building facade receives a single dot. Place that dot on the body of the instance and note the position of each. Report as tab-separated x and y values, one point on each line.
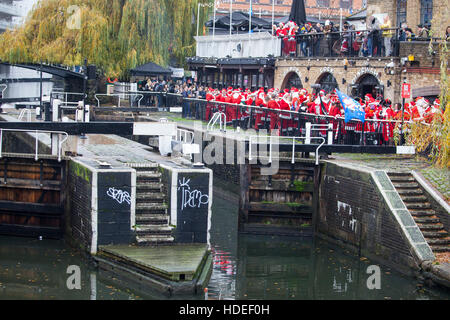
323	9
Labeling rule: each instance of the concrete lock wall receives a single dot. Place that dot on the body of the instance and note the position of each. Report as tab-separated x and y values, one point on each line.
355	211
189	194
100	205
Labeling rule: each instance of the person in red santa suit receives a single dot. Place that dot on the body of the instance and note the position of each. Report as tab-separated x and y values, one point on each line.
235	111
250	98
292	42
209	106
285	118
419	108
227	106
273	104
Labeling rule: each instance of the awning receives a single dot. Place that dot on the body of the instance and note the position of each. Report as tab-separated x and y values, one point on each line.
150	69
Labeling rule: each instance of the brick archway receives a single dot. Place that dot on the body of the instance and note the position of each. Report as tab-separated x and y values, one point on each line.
292	79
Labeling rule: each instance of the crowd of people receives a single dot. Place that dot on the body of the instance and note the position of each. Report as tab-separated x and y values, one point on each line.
323	103
328	39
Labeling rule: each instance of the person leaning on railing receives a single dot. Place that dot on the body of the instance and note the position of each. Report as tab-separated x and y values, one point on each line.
387	36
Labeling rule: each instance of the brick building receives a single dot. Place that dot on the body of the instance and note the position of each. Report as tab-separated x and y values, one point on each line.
414	12
326	9
416	62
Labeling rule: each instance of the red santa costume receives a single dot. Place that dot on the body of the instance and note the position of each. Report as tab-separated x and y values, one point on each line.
209	105
274	105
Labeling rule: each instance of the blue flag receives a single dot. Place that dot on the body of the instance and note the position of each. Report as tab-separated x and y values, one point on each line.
353	110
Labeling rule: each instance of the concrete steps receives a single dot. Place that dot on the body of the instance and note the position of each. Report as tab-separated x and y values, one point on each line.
421	211
152	220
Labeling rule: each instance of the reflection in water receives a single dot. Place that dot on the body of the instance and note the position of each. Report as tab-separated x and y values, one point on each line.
245	267
270	267
25	89
33	269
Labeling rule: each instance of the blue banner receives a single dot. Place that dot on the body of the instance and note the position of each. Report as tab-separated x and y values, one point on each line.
353	110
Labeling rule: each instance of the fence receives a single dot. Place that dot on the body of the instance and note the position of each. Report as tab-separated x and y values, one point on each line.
289	123
37	133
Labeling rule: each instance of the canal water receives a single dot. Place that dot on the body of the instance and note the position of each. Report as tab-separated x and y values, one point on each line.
245	267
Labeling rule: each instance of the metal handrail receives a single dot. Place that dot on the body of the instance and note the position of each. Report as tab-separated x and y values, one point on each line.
185	133
293	146
65	94
37	132
217	117
4	88
119	95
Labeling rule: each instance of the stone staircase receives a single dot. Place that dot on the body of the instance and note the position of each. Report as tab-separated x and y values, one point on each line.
152	219
420	208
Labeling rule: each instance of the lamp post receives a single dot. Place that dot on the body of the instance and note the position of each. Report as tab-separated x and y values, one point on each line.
231	22
402	132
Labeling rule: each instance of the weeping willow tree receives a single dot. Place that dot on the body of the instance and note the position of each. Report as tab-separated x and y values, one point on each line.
115	35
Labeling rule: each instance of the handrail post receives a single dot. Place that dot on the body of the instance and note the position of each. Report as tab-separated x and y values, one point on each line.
1	141
293	150
250	149
308	133
37	146
270	149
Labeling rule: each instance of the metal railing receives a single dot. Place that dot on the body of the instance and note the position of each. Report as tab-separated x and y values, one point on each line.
218	116
270	138
246	117
37	133
3	88
120	95
26	111
183	135
65	95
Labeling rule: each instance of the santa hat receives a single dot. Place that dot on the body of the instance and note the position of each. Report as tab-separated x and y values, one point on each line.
437	102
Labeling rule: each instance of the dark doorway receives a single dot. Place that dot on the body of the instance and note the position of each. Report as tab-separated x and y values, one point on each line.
367	84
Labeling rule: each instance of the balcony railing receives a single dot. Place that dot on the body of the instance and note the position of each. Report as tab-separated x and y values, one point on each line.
349	43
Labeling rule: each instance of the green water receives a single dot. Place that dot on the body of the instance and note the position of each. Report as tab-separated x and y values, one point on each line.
245	267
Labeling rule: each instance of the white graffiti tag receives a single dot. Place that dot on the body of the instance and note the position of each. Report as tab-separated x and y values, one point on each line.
119	195
191	198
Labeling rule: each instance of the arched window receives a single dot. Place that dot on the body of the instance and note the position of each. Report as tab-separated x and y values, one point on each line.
426	11
401	12
328	82
292	81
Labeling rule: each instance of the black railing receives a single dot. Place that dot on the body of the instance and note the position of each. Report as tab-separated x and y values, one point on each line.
285	123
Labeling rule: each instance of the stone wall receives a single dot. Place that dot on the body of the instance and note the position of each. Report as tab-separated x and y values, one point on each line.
78	206
315	69
353	212
189	197
100	205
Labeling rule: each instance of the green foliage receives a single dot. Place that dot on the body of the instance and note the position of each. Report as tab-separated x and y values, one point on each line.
116	35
